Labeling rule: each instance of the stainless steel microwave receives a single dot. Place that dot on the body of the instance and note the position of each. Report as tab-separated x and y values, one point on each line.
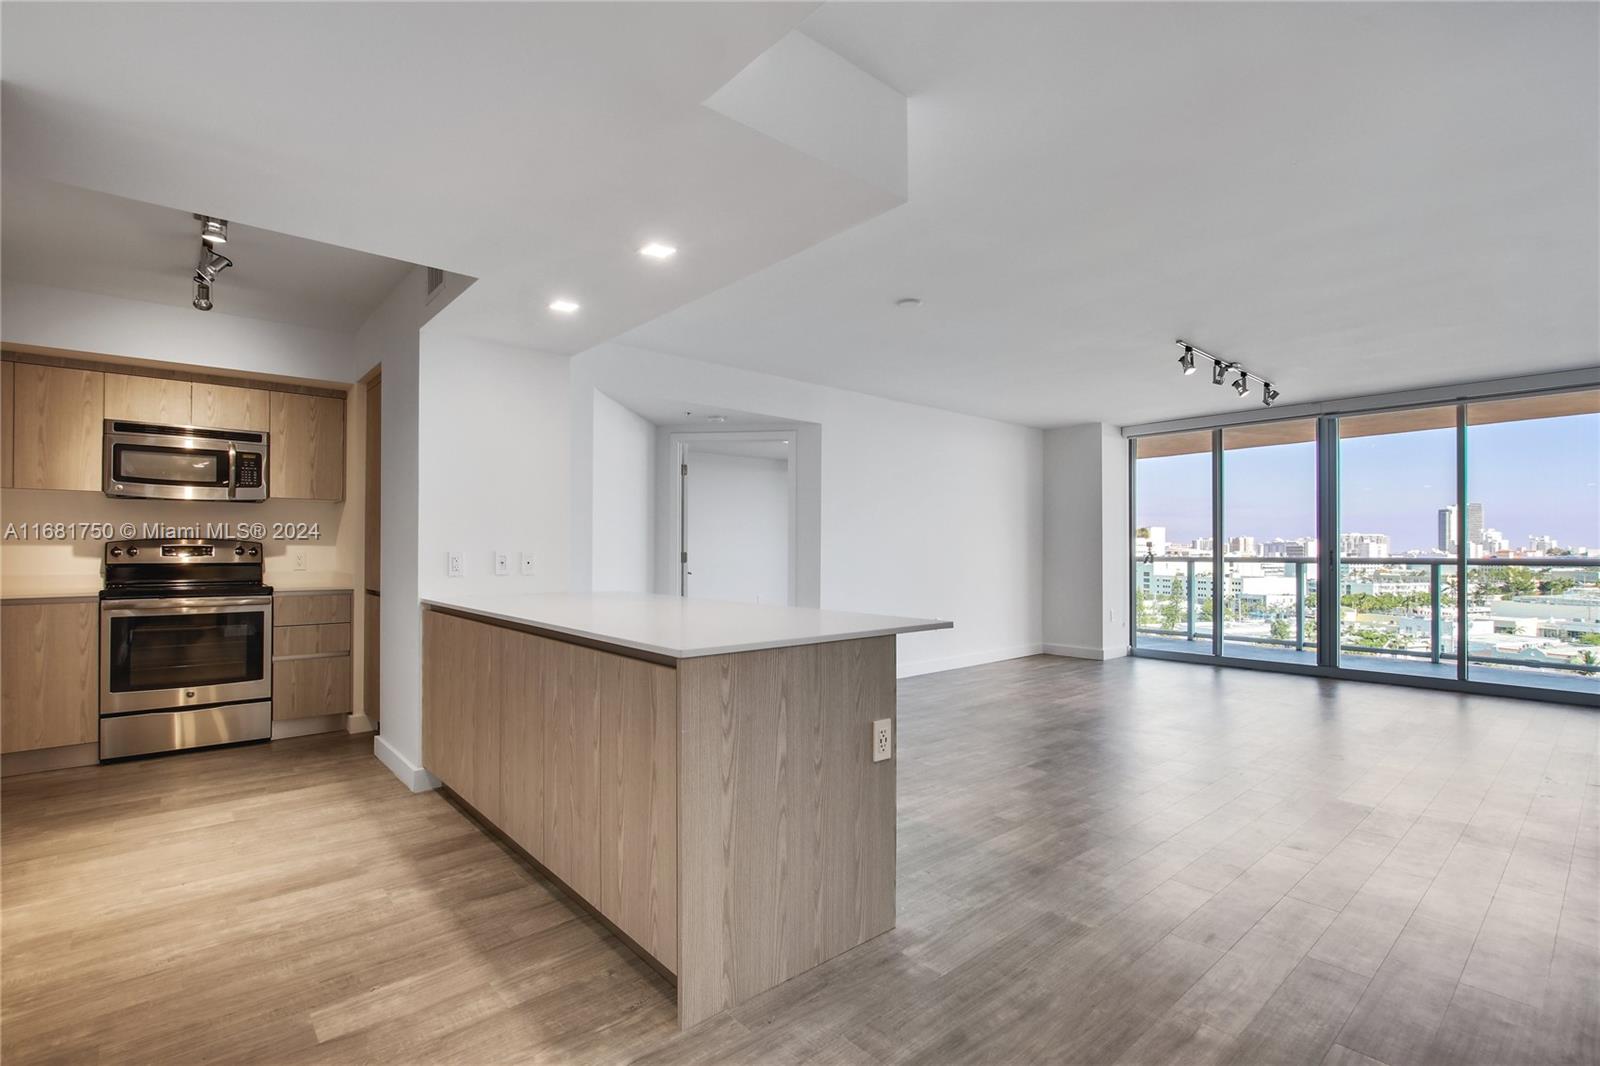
147	461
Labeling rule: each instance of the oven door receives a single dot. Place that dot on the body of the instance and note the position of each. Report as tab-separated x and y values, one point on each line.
191	651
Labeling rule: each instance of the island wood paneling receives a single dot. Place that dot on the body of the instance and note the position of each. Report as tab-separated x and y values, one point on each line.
638	704
6	378
163	401
49	675
231	407
461	719
57	427
786	827
307	447
522	660
572	767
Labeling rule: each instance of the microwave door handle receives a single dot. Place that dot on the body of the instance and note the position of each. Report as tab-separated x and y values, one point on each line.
233	471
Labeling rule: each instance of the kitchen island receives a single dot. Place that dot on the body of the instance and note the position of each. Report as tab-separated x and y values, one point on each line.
699	774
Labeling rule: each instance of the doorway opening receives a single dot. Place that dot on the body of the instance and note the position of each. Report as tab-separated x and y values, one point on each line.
737	516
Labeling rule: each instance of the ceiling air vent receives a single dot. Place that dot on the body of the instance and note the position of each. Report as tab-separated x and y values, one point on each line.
435	281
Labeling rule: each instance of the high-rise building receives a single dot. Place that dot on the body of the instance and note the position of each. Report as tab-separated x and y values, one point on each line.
1539	545
1364	545
1447	526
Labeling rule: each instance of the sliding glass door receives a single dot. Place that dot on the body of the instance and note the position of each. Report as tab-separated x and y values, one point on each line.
1340	544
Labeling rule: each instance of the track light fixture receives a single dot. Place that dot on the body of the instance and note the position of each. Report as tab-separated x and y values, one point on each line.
202	295
213	230
1221	368
211	264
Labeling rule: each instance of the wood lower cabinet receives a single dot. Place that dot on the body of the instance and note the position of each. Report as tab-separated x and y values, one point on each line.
307	447
312	672
49	675
57	428
162	401
583	768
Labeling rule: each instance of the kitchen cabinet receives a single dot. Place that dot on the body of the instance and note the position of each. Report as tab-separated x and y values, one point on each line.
57	428
312	671
6	378
231	407
307	446
162	401
49	675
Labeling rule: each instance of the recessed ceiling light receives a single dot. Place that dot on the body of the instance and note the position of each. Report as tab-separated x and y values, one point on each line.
719	419
908	302
563	306
657	250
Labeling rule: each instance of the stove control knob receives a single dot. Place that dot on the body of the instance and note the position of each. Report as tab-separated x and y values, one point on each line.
132	552
239	550
255	551
116	553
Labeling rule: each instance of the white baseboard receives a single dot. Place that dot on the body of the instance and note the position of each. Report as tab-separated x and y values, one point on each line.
918	667
410	774
1074	651
360	723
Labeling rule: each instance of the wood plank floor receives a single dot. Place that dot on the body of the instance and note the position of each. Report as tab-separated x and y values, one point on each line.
1128	862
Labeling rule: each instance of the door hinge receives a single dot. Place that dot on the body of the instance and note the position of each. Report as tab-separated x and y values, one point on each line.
685	557
683	471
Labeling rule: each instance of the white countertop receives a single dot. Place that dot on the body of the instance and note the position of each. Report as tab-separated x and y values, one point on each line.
681	628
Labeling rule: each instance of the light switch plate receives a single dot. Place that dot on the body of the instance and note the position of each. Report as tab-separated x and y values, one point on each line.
527	564
882	740
502	563
452	565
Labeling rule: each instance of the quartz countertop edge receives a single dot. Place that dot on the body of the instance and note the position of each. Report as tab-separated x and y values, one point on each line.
678	628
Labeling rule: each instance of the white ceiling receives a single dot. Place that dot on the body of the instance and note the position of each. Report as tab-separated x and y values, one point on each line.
73	238
534	147
1345	197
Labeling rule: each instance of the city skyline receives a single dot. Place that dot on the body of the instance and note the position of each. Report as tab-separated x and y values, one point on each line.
1533	478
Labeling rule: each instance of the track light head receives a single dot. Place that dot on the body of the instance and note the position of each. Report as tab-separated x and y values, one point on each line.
1219	373
1241	385
202	295
211	264
213	230
1268	394
1186	360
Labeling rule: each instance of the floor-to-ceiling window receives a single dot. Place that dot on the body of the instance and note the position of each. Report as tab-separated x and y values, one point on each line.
1340	543
1269	541
1533	593
1172	542
1397	557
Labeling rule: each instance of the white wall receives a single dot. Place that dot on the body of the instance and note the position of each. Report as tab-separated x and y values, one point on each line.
924	512
1086	541
623	482
738	528
108	325
494	468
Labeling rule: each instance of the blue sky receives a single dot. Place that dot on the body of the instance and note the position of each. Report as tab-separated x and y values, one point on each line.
1531	477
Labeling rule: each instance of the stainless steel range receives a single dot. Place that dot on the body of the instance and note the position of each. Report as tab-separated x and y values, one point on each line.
185	646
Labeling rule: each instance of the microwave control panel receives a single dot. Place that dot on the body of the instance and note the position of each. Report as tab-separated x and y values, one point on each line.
249	472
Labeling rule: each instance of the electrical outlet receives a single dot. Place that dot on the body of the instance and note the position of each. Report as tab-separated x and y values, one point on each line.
882	740
453	566
300	559
502	563
527	564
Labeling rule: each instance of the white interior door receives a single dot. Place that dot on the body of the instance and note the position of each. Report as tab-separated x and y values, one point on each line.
737	521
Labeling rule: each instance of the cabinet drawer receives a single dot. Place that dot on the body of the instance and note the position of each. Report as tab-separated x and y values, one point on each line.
333	637
312	608
308	688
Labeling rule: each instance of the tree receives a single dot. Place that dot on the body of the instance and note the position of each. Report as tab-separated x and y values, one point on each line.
1279	629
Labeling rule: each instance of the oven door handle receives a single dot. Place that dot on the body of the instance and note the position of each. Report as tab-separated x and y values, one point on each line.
233	470
186	604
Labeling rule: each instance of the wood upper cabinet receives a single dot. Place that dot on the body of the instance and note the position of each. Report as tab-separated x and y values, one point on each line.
49	675
307	447
57	429
231	407
6	380
163	401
